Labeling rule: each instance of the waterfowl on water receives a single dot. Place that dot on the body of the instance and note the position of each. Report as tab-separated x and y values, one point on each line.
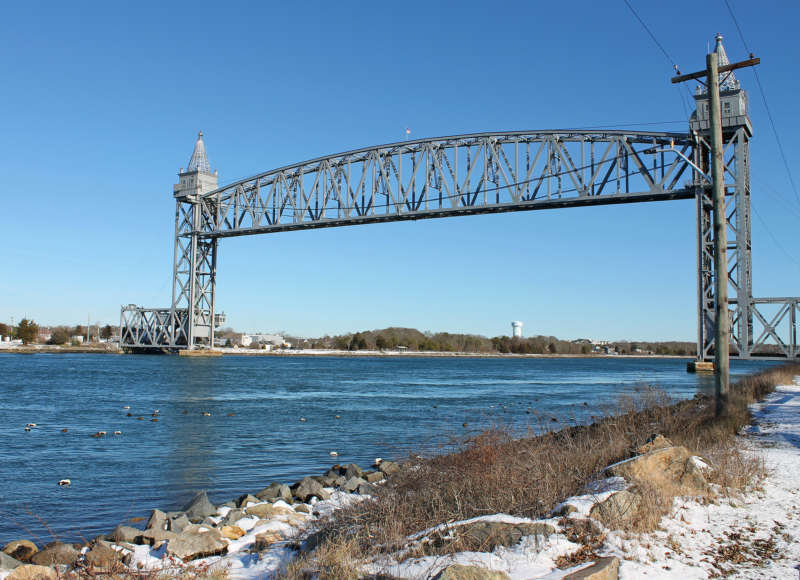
334	453
117	432
64	482
126	407
302	419
206	414
31	425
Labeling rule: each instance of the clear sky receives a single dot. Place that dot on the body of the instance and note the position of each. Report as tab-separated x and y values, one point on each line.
101	102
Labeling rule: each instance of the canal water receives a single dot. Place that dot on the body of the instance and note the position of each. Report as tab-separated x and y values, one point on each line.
232	425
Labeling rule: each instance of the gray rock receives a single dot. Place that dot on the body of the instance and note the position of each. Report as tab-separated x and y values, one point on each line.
155	537
190	546
352	484
20	549
353	470
124	534
55	553
486	536
178	522
309	488
102	555
367	489
275	491
618	509
230	504
340	481
245	499
602	569
374	476
158	520
7	562
200	507
389	467
232	517
461	572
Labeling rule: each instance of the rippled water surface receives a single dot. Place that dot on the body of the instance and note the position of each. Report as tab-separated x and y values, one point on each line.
387	407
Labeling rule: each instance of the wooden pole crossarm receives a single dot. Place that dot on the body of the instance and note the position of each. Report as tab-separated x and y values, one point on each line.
722	69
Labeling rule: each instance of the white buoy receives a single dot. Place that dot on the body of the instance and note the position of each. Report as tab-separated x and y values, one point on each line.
64	482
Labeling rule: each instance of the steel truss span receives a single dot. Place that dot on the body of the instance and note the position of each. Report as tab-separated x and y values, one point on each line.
457	175
464	175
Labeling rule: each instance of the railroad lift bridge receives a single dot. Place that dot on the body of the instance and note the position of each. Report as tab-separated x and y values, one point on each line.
473	174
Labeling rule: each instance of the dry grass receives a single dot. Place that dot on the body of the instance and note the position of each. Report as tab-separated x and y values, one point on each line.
527	477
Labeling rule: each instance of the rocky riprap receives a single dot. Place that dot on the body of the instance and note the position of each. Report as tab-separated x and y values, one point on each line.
199	529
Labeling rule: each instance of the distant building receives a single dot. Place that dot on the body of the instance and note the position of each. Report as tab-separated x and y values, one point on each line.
516	329
45	333
78	338
258	340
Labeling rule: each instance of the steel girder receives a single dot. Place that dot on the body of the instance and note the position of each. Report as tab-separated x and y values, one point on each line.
464	175
458	175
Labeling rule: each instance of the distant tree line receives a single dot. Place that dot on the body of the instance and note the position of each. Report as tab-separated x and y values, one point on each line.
394	338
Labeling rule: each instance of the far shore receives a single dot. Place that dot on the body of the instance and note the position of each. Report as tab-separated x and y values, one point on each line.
225	351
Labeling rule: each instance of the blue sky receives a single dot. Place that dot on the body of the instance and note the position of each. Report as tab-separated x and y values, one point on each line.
101	103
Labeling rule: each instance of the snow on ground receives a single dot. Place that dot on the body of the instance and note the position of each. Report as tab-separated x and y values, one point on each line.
754	536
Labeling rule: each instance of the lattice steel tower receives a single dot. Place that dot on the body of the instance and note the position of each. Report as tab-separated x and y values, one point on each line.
195	266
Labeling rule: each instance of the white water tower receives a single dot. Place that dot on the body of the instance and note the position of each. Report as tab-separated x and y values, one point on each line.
516	329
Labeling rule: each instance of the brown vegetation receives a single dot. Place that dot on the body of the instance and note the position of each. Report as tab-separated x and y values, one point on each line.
495	473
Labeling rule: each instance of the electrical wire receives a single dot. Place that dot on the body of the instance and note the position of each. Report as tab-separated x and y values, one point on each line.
666	55
766	106
774	239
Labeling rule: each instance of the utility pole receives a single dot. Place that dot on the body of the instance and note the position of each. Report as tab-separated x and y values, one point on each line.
721	317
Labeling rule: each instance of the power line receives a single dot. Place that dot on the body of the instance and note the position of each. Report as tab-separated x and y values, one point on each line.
774	239
666	55
766	106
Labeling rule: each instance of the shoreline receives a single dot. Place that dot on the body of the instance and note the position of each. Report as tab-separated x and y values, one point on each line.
279	524
241	352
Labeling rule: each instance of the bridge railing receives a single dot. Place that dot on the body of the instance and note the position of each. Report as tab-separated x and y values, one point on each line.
465	174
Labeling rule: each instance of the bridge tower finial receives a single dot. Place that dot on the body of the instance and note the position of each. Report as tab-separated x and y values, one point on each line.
198	177
199	160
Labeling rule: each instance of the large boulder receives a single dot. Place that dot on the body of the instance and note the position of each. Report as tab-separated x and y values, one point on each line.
158	520
265	539
22	550
309	488
8	563
618	510
199	507
232	532
102	555
389	467
197	544
177	522
243	500
461	572
671	468
653	443
486	536
352	470
232	517
124	534
351	485
374	476
32	572
55	553
275	491
155	537
601	569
